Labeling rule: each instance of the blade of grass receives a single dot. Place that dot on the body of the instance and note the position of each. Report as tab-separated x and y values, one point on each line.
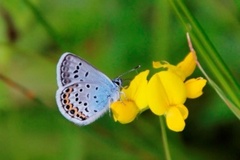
231	106
217	68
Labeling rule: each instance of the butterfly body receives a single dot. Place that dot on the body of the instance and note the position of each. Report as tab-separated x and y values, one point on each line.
84	93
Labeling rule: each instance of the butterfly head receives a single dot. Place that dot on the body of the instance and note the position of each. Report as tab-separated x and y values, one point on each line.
117	82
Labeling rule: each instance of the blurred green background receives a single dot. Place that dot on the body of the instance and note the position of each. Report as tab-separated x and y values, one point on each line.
114	36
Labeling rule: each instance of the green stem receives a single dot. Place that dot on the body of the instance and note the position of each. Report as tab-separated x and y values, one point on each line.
164	138
207	53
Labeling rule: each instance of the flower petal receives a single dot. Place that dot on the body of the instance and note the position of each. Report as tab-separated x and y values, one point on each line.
137	90
184	111
175	120
124	111
188	65
164	90
194	87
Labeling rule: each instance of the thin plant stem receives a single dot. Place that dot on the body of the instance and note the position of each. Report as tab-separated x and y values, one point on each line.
164	138
231	106
28	93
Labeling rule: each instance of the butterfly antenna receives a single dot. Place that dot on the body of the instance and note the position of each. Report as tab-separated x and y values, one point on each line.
131	70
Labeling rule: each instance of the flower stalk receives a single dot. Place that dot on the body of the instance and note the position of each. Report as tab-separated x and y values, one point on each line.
164	138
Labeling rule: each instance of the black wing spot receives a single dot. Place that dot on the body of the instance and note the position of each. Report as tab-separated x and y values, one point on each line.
72	111
65	75
94	97
88	85
95	110
86	109
67	90
96	88
64	69
97	101
66	63
76	76
85	104
76	99
65	81
77	67
83	118
81	80
64	101
80	102
68	57
86	74
88	95
81	90
76	71
67	106
78	115
80	64
64	96
76	94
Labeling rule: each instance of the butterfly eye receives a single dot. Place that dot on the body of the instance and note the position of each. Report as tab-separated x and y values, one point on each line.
117	81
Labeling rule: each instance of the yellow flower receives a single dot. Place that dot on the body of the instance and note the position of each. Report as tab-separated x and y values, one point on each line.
124	111
183	69
188	65
133	100
166	96
167	92
194	87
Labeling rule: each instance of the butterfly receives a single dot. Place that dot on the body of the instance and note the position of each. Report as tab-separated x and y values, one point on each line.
84	93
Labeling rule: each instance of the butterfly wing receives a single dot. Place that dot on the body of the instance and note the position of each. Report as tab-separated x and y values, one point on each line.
83	102
71	68
84	93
